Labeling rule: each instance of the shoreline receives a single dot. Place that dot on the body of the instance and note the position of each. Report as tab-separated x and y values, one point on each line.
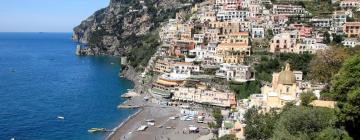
132	116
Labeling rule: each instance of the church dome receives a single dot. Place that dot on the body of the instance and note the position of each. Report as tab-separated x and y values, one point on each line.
287	77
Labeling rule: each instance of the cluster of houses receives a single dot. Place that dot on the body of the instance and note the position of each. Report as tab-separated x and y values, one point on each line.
215	42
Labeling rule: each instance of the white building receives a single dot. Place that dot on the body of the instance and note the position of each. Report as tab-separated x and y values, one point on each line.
288	10
257	32
350	42
309	45
205	96
183	66
235	72
321	22
235	15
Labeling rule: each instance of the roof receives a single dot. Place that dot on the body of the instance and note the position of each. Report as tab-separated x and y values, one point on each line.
240	33
352	23
287	77
237	45
322	103
163	82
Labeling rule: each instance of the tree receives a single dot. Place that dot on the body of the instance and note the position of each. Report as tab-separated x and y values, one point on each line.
303	123
337	39
307	98
346	90
333	134
228	137
218	117
327	39
326	64
259	125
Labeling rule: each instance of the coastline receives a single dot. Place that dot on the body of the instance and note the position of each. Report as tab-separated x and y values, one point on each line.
132	116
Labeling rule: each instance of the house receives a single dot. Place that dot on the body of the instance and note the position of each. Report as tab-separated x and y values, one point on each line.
257	32
339	19
303	30
232	53
288	9
235	72
321	22
202	95
232	15
349	4
163	65
309	45
351	29
351	42
283	42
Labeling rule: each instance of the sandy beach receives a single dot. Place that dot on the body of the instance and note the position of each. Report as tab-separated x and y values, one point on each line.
161	130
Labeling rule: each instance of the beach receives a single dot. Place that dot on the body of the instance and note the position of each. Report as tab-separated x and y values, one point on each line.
164	128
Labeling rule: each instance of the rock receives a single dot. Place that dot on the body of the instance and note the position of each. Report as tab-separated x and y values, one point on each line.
109	30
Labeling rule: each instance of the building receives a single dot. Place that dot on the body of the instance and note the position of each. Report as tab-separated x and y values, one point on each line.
165	84
351	42
303	30
351	29
321	22
231	53
203	95
163	65
339	19
232	15
284	89
235	72
186	66
283	42
257	32
309	45
229	4
241	38
349	4
288	10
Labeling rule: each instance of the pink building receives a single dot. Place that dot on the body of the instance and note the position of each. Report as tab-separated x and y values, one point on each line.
303	30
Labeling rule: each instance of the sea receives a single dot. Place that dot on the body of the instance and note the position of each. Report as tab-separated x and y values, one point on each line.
41	79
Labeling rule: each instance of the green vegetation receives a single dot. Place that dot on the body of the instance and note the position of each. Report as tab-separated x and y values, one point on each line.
228	137
314	123
96	37
307	98
345	87
244	90
318	8
294	122
145	47
218	117
259	125
270	64
326	64
303	123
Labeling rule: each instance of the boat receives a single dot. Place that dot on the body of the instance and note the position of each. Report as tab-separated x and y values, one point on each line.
142	128
93	130
60	117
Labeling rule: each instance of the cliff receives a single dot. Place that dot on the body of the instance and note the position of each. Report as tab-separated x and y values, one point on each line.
126	28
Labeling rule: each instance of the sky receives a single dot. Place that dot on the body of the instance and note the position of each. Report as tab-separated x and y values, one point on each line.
45	15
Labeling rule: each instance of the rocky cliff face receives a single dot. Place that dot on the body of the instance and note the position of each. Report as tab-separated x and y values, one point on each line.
122	25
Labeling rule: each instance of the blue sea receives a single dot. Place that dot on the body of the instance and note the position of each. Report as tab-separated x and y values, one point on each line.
42	78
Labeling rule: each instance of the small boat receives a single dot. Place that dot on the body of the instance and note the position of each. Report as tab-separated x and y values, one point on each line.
12	139
93	130
60	117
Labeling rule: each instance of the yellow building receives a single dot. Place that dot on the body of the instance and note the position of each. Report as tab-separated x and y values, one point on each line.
284	89
238	38
232	53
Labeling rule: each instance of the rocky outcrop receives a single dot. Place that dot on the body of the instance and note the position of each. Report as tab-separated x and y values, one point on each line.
116	28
